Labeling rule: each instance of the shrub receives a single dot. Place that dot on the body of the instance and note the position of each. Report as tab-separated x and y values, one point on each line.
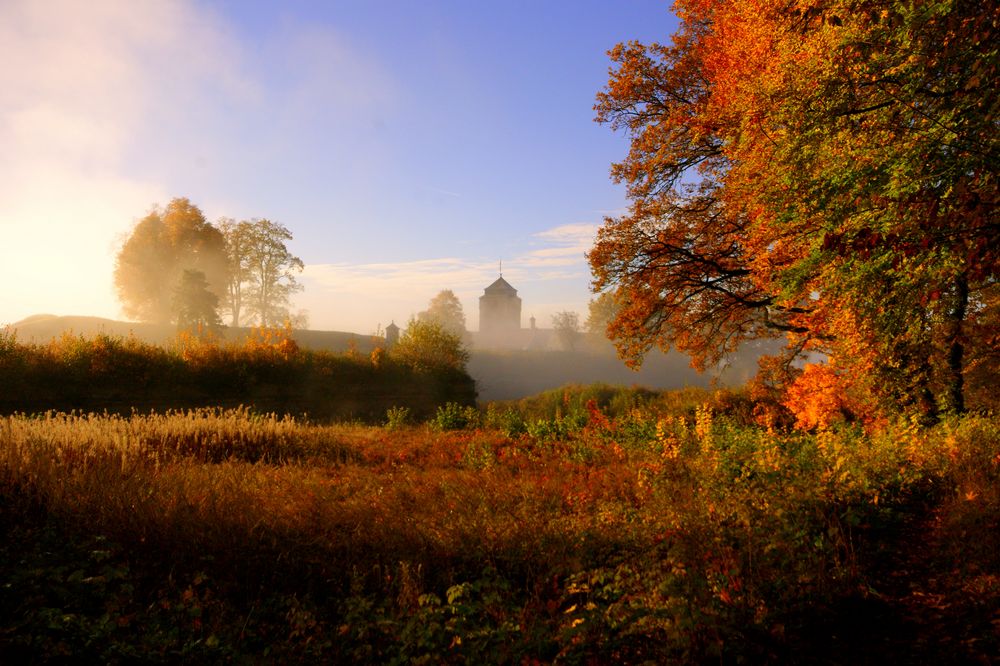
453	416
508	420
817	397
397	417
427	347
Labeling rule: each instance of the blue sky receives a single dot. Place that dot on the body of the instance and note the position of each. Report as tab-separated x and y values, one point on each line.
408	146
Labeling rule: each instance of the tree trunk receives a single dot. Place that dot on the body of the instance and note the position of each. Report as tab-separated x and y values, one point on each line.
955	388
923	394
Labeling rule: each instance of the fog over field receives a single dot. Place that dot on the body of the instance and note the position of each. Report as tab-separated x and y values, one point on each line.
499	374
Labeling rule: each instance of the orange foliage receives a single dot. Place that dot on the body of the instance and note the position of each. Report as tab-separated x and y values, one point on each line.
817	398
824	170
272	340
377	357
262	344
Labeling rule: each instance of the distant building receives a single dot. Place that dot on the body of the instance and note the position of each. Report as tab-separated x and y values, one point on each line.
500	321
391	334
499	315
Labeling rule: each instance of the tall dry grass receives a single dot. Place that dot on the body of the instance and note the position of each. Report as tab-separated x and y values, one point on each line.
649	534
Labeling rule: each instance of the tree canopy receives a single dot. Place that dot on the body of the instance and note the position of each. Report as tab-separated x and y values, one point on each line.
162	246
194	305
820	170
446	310
262	271
174	260
239	236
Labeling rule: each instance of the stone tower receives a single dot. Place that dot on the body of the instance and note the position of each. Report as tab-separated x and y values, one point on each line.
499	315
391	334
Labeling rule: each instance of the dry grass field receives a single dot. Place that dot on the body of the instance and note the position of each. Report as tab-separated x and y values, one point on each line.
591	526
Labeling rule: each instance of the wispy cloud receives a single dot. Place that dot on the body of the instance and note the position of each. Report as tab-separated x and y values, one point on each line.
564	245
570	233
377	292
555	250
395	278
345	296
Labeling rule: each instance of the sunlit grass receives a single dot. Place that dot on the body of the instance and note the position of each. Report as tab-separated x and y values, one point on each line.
652	532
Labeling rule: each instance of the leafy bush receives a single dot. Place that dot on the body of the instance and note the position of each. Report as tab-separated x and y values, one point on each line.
397	417
508	421
426	346
453	416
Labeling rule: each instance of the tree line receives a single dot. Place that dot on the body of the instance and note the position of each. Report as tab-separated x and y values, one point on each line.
176	267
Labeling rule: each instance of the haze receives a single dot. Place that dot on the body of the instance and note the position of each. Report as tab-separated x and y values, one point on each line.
408	146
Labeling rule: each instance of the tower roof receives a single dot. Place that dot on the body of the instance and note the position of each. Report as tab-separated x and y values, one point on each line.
500	288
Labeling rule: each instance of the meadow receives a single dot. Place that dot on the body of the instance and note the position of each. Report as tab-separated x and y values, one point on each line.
587	525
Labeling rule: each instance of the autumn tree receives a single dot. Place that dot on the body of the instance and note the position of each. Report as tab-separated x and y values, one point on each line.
567	329
446	310
677	261
262	271
152	261
877	167
825	171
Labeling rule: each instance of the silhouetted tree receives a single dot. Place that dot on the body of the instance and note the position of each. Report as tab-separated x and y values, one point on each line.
194	305
238	237
567	328
446	310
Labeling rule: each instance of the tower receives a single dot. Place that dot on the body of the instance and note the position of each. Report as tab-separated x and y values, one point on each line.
499	315
391	334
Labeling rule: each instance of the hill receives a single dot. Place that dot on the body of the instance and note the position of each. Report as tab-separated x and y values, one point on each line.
45	327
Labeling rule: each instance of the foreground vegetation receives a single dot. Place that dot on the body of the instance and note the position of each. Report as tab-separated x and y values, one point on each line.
588	525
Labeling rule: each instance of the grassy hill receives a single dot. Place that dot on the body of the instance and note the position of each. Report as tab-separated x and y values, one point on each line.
44	327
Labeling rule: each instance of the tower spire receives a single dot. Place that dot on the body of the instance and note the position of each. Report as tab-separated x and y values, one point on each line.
501	268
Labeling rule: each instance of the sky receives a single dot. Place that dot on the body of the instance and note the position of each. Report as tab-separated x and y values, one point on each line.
409	146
